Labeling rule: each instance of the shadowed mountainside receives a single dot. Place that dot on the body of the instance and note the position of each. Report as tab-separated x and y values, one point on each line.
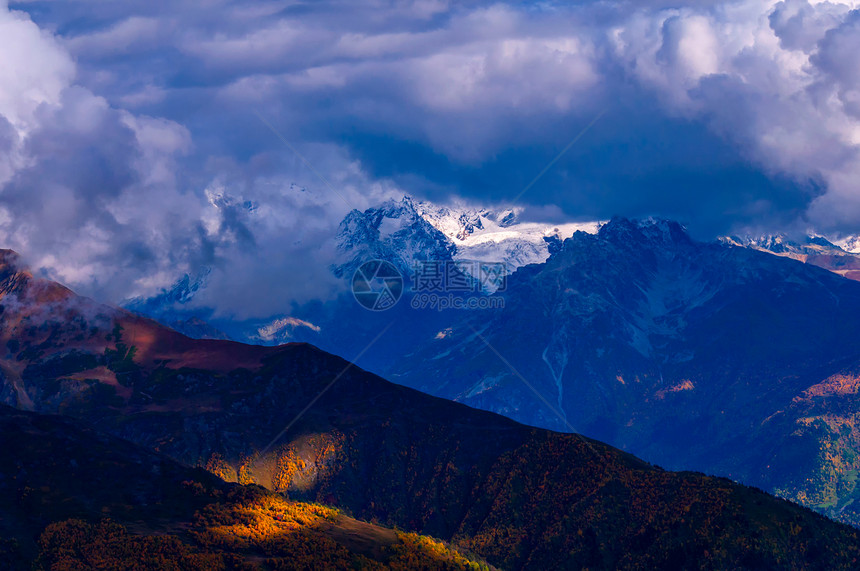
522	498
688	354
97	502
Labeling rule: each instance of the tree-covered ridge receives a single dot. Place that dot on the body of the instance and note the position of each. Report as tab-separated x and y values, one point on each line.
248	529
522	498
825	423
96	502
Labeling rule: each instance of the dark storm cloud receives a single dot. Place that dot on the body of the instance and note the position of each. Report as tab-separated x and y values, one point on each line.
724	114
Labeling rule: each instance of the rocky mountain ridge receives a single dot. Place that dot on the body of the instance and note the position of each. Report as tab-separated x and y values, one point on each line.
839	256
683	352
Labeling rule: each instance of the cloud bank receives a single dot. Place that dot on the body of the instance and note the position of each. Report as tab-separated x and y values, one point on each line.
132	149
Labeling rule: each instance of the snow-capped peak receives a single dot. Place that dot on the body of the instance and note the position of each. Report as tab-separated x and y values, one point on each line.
782	245
841	256
179	294
850	244
468	227
280	330
406	231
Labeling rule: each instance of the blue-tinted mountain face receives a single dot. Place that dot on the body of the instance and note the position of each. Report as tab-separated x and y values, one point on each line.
693	355
705	356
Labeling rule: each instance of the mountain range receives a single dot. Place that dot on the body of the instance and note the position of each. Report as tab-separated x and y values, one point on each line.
722	359
409	230
313	427
402	232
840	256
733	357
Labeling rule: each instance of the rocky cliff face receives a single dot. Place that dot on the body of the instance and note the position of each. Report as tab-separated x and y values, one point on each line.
689	354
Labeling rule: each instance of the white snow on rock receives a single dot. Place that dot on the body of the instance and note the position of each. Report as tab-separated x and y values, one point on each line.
497	235
407	231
